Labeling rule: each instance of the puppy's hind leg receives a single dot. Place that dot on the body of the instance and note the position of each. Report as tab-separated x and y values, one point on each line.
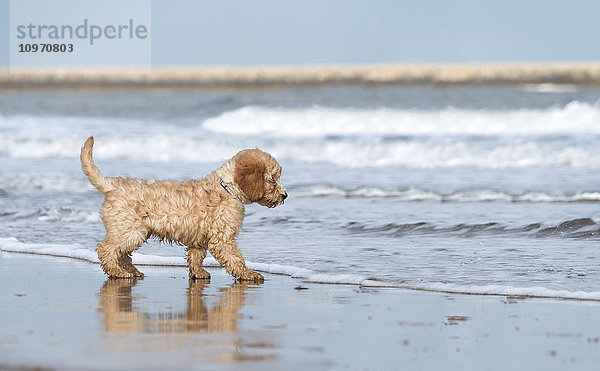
195	257
115	251
108	253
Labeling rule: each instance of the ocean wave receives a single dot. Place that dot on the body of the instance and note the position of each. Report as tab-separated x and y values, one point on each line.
574	118
430	154
407	194
48	126
151	148
52	215
351	138
46	183
417	195
585	228
77	251
550	88
347	152
67	215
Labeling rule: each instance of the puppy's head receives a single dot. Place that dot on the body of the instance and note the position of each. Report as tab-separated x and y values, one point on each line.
257	175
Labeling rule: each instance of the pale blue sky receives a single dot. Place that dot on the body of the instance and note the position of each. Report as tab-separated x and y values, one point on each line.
264	32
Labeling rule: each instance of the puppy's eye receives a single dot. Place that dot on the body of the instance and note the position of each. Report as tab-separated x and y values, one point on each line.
271	179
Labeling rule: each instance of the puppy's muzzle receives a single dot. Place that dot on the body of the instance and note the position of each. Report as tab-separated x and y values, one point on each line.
283	196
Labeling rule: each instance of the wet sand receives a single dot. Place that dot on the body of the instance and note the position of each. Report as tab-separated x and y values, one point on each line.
64	314
207	77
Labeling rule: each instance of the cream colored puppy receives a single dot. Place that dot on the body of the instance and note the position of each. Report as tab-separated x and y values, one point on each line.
204	215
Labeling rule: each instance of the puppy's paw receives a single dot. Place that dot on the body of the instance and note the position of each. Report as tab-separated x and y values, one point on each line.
135	273
121	274
200	275
249	275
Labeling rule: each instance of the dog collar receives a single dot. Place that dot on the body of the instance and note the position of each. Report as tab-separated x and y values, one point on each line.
227	187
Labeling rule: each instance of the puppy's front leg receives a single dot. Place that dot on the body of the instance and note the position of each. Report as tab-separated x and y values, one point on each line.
195	257
229	256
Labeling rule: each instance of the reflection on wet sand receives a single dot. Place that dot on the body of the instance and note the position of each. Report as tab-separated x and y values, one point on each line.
121	316
125	313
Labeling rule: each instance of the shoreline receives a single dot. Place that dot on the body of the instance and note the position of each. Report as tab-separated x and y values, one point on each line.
585	74
13	246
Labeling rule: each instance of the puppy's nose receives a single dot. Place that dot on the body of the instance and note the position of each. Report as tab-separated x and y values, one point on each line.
284	195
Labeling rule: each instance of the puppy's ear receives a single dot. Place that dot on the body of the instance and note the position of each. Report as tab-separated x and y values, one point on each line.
250	168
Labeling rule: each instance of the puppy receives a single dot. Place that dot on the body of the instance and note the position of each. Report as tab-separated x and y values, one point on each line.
204	215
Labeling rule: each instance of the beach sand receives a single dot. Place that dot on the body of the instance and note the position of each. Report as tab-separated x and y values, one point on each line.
65	314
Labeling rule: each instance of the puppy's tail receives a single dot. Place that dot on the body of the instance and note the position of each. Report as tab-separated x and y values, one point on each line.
98	180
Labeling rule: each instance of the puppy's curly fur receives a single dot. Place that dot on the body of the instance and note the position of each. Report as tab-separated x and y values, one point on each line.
204	215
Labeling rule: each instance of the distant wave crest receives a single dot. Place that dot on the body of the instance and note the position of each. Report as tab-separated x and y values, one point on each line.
574	118
350	137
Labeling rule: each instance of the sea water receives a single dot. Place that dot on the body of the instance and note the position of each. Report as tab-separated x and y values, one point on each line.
490	190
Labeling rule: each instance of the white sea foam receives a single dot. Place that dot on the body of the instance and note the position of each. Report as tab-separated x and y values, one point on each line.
535	292
77	251
574	118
